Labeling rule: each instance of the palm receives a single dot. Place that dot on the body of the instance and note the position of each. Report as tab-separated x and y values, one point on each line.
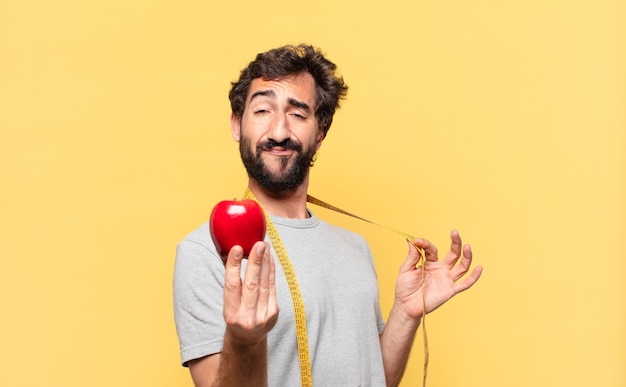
442	279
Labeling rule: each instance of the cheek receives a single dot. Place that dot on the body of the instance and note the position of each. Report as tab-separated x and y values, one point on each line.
249	131
254	128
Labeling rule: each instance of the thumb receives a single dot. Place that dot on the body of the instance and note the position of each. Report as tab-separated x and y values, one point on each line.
412	258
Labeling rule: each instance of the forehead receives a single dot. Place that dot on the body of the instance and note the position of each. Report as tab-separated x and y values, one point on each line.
296	86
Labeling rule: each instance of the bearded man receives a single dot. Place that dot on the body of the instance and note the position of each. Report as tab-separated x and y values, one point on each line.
227	315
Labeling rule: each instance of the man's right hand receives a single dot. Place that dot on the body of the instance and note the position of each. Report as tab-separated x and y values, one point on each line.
250	306
250	312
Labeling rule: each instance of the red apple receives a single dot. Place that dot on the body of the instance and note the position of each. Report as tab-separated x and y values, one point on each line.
236	222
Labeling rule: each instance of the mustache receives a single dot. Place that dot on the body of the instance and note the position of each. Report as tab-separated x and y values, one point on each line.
286	144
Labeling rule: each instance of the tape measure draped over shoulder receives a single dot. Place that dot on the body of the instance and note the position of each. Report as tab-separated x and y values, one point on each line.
410	238
296	296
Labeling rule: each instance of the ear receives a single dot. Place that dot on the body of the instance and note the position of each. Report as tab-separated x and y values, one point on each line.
319	140
235	127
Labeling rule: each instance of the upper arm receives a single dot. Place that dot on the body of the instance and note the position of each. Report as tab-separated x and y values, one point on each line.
204	370
197	295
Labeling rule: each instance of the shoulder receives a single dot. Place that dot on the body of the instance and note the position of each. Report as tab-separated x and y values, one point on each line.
199	236
197	246
349	235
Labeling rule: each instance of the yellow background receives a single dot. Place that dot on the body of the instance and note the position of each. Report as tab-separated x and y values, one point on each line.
504	119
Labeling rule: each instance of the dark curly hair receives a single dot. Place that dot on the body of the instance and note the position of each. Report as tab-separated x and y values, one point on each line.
288	60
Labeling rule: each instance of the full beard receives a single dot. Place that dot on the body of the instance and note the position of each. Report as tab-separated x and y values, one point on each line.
290	176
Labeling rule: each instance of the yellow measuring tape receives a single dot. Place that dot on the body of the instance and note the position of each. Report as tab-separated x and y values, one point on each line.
296	296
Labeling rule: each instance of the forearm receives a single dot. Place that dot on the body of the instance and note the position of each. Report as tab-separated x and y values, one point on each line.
242	365
396	342
236	365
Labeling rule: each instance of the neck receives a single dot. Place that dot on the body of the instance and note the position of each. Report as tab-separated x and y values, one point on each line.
289	204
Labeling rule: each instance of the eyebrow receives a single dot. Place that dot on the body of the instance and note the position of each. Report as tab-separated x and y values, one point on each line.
299	104
262	93
292	101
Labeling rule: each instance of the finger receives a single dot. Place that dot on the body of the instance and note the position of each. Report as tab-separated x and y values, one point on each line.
455	248
264	285
462	268
267	307
250	286
232	280
272	300
469	281
430	250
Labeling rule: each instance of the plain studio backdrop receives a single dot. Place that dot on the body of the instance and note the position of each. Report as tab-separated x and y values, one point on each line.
503	119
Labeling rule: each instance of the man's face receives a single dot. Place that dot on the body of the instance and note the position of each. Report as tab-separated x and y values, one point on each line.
278	133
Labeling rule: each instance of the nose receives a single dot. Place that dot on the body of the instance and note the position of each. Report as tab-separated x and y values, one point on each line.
279	130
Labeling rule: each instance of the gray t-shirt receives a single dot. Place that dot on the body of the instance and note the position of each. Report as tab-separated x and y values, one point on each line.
337	279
